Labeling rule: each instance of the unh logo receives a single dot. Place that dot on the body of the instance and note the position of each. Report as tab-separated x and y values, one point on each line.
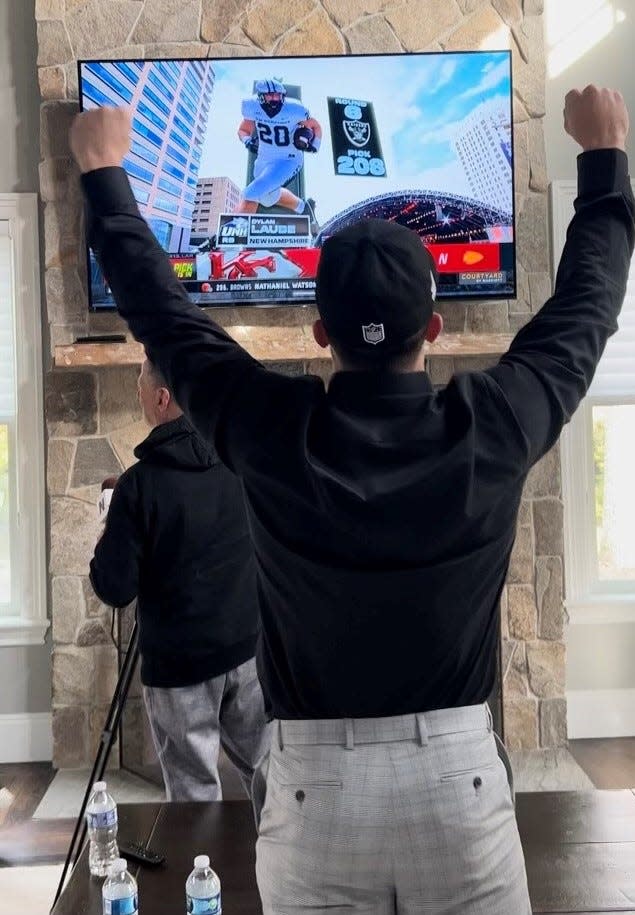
357	132
373	333
237	227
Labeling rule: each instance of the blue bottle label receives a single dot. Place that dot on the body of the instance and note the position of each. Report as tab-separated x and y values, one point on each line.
209	906
102	820
127	906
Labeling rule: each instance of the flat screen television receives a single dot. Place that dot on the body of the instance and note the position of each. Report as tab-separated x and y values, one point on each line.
243	167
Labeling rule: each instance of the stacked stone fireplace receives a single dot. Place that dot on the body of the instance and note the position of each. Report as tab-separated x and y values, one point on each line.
92	416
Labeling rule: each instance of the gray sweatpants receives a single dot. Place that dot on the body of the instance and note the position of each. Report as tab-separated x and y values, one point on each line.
190	723
390	816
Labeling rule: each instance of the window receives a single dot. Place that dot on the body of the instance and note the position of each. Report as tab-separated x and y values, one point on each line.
185	100
143	174
613	433
176	155
190	120
141	196
162	203
22	494
177	122
148	93
162	231
179	141
161	86
168	186
597	459
144	131
193	83
164	70
170	169
143	152
105	74
90	91
130	72
151	115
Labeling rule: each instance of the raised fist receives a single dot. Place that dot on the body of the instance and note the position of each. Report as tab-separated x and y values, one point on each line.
100	137
303	139
596	118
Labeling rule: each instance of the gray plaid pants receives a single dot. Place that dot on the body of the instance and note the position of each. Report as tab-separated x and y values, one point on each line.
190	723
390	816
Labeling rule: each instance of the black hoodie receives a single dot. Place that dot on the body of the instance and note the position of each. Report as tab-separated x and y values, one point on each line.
176	538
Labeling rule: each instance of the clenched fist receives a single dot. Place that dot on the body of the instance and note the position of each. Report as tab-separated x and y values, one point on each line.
596	118
100	137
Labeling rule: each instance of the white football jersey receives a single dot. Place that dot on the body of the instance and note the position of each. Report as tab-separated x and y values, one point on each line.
275	134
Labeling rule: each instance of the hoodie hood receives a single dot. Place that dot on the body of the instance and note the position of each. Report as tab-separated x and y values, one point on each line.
176	444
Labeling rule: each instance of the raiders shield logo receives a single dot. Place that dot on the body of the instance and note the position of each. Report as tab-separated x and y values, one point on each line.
357	132
373	333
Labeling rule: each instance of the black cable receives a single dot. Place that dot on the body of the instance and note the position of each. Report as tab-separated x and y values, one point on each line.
103	752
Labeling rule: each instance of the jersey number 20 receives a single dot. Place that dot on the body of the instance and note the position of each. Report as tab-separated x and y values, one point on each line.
280	134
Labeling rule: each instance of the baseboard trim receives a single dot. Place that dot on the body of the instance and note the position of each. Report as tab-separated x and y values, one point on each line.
601	713
26	738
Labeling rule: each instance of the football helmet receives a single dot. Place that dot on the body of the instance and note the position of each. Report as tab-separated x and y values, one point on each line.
271	94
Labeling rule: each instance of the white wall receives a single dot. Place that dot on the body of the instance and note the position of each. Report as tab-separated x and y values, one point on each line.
25	673
601	657
607	63
19	97
600	666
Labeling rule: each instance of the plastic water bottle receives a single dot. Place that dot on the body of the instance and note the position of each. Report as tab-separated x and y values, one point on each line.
119	892
101	816
202	890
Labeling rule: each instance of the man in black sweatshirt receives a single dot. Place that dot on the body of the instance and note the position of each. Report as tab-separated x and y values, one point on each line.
176	538
383	513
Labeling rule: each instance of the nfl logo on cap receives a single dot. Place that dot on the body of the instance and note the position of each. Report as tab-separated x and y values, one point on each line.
373	333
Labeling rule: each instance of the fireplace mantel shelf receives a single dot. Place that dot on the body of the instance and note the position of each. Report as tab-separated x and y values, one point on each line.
270	344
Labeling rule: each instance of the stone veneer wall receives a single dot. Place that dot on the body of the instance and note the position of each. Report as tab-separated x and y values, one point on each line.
92	418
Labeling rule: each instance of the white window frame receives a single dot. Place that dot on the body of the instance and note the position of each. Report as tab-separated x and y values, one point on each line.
588	598
28	623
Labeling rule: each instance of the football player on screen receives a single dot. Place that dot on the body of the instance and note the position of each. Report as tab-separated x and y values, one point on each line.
279	131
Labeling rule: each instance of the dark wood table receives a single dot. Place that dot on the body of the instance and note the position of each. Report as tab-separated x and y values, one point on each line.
225	831
579	848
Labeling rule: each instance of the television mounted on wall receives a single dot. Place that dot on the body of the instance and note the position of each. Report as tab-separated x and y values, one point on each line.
243	167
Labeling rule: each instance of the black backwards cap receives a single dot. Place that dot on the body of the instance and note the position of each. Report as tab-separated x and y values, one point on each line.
376	285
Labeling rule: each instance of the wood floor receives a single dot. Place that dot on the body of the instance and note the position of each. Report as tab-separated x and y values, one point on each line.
608	763
22	787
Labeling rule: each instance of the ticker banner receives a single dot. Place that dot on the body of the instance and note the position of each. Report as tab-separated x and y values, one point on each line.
355	139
